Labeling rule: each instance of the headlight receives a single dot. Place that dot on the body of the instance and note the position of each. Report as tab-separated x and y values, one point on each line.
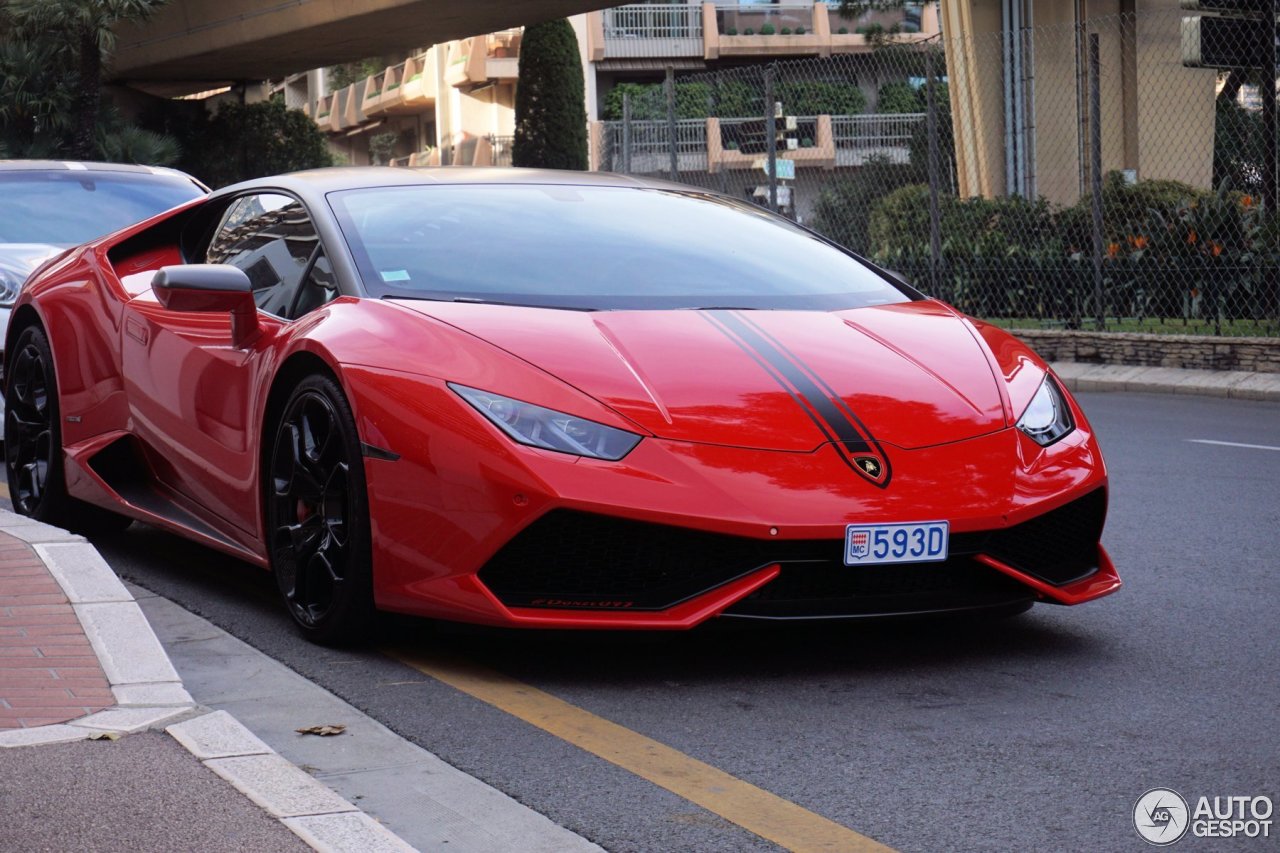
549	429
1048	418
10	284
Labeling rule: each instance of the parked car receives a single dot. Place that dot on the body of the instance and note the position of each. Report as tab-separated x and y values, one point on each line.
50	206
546	399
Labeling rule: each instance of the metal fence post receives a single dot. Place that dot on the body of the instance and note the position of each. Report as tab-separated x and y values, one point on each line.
771	138
671	122
626	133
935	211
1268	94
1095	170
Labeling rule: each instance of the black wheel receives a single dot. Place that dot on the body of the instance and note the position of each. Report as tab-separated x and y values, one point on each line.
318	515
33	443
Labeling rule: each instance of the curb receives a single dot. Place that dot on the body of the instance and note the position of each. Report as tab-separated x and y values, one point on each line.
149	694
1233	384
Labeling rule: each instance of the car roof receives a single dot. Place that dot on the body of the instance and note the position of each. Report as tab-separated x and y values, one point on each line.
321	181
86	166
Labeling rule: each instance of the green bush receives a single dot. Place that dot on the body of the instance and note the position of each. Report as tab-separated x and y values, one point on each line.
813	98
898	96
734	99
768	30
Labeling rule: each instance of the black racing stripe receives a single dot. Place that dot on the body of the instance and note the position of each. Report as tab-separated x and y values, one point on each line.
846	432
808	410
836	398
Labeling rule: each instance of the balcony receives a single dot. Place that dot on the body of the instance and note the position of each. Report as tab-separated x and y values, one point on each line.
486	59
407	88
742	143
710	31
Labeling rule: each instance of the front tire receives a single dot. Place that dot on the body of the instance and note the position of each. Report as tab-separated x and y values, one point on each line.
33	443
317	515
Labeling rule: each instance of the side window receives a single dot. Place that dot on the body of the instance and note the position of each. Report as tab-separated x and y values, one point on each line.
271	238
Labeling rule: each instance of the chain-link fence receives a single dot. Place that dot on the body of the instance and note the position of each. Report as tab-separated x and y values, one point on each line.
1056	176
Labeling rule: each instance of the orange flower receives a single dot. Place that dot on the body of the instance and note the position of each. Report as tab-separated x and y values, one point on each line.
1215	248
1246	201
1113	250
1192	237
1138	241
1195	291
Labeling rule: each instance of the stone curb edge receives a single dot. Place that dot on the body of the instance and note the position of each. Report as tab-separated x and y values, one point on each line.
149	693
1234	384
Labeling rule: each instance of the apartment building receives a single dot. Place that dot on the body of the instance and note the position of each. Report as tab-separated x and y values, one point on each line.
453	103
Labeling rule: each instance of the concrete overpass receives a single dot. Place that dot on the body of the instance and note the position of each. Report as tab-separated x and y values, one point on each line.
190	44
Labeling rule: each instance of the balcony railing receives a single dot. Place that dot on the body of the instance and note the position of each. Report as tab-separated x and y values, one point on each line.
883	130
647	31
648	148
653	22
754	19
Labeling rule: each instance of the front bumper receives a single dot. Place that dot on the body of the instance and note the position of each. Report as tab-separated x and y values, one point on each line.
468	526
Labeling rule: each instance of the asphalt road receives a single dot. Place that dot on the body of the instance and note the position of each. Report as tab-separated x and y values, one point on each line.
1037	732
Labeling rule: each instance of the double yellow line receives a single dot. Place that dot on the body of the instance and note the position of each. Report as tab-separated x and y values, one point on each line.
754	809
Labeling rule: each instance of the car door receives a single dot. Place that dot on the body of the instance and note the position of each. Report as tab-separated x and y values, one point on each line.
192	394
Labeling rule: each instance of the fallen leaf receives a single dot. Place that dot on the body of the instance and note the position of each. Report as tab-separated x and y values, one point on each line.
105	736
324	731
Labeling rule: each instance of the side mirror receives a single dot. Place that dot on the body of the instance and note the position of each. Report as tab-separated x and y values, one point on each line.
210	288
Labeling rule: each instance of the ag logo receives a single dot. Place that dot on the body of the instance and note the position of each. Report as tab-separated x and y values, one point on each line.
1161	816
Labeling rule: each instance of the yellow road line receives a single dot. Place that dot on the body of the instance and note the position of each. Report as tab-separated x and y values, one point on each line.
754	809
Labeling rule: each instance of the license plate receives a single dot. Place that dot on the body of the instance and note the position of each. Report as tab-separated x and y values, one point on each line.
875	544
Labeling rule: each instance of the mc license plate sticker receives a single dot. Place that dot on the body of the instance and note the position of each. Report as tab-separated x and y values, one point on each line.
876	544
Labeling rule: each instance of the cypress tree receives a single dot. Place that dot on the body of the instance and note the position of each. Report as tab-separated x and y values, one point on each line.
551	115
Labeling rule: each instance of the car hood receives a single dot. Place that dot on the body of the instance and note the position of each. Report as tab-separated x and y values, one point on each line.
909	375
22	258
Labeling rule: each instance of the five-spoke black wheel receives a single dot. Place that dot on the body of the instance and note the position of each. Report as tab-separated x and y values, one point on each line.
318	516
33	442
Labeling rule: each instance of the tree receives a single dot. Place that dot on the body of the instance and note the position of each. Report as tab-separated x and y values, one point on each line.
551	115
85	37
243	141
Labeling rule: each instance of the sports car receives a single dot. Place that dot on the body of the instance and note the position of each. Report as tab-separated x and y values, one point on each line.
52	205
546	399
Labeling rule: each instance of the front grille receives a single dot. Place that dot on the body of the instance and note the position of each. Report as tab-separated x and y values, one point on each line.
1058	547
577	560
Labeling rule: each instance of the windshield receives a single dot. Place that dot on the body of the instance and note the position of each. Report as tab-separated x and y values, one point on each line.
595	248
66	208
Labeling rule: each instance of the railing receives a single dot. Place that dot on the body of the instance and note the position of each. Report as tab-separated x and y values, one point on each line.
653	22
883	130
737	20
654	137
871	20
501	149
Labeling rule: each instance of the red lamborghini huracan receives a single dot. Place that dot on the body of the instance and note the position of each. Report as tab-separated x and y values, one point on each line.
545	399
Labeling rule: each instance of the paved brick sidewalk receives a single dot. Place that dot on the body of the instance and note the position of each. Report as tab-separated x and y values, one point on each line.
49	672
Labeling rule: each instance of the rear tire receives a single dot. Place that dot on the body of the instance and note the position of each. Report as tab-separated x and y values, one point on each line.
317	515
33	443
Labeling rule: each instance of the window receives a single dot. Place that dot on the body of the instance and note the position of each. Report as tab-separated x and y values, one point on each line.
271	238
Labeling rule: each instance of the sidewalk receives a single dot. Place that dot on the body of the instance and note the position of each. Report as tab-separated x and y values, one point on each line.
101	746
